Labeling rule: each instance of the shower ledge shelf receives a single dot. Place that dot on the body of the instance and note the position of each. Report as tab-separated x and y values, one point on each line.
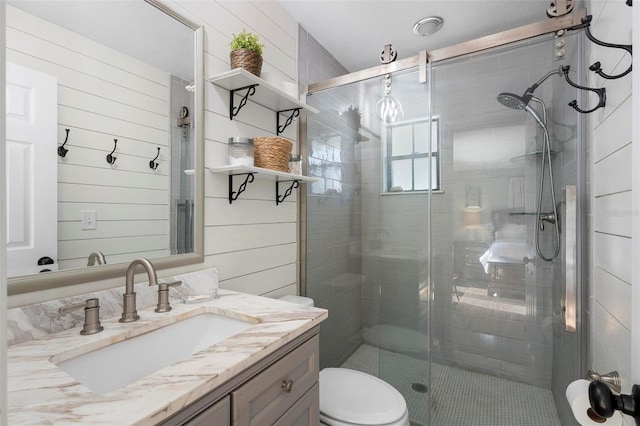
252	173
532	154
262	93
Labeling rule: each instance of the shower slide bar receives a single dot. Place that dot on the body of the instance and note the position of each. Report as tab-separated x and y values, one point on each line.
552	25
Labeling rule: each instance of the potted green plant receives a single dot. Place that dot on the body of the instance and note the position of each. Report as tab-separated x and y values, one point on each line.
246	52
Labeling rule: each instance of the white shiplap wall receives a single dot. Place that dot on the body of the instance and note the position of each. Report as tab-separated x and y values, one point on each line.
100	101
610	187
252	242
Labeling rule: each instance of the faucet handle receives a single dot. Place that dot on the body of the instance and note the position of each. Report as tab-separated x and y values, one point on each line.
91	315
163	296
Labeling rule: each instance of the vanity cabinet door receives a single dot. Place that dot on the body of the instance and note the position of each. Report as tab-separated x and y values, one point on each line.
218	414
305	412
268	396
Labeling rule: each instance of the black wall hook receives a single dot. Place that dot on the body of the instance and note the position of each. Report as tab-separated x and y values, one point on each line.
596	67
110	157
629	3
601	92
62	151
152	164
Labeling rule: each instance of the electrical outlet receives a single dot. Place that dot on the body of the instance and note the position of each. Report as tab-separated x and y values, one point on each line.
88	219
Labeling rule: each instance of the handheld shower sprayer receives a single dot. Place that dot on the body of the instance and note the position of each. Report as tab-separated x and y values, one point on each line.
513	101
516	102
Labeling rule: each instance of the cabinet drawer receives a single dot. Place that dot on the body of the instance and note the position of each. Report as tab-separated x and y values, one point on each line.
305	412
263	399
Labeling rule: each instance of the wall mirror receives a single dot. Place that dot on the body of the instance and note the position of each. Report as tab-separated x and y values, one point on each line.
104	140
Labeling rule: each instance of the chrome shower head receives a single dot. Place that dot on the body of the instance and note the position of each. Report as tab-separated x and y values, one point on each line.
516	102
513	101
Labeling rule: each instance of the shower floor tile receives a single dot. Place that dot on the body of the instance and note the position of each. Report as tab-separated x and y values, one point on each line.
459	397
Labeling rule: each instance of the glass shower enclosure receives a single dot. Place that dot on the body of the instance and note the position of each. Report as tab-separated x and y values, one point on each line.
420	236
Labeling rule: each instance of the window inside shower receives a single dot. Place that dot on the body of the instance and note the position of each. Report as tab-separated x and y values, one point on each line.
411	155
441	293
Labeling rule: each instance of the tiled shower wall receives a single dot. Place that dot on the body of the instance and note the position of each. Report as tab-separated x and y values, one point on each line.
331	206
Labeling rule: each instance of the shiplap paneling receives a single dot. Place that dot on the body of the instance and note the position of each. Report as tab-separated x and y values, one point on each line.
612	174
262	282
80	249
282	291
613	214
79	193
613	254
71	211
610	182
603	357
252	242
112	229
221	239
99	176
616	336
609	292
254	17
613	134
246	262
113	258
229	214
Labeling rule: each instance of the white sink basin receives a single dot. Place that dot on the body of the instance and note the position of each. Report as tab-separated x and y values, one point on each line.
122	363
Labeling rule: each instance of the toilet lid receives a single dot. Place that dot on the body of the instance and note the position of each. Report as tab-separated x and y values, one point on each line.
355	397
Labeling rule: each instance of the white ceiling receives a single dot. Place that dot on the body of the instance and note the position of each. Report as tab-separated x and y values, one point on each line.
355	31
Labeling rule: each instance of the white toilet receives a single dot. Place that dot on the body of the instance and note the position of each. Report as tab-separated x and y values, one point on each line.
353	398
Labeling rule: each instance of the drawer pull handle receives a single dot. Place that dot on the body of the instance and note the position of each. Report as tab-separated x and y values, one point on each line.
287	385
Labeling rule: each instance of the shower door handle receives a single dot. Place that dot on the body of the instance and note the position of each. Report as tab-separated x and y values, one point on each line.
570	294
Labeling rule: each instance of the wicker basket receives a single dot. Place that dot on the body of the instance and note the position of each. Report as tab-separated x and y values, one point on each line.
247	59
272	153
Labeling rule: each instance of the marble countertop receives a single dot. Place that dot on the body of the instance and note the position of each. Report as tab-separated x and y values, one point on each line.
42	394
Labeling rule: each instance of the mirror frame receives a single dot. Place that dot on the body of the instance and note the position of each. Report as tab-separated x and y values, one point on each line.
32	283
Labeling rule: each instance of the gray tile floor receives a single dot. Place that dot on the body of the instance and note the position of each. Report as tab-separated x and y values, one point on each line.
459	397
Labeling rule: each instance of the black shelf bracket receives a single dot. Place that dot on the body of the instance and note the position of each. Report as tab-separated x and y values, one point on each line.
233	111
233	195
295	112
280	199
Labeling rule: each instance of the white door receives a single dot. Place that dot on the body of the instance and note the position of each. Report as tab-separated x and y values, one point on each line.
32	176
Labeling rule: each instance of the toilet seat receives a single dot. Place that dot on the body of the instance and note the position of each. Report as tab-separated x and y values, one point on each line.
350	397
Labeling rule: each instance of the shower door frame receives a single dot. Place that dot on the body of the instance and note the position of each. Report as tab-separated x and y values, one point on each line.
551	25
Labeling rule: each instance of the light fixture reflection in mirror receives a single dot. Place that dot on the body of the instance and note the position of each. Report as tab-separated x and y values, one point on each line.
388	108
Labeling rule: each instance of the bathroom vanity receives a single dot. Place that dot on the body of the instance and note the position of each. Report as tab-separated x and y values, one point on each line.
265	374
284	392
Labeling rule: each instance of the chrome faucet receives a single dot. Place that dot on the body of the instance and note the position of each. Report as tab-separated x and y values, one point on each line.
129	312
96	257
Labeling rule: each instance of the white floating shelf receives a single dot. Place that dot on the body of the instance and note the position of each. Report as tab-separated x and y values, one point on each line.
261	173
266	94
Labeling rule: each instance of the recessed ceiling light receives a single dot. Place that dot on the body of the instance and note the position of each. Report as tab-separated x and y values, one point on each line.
427	26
